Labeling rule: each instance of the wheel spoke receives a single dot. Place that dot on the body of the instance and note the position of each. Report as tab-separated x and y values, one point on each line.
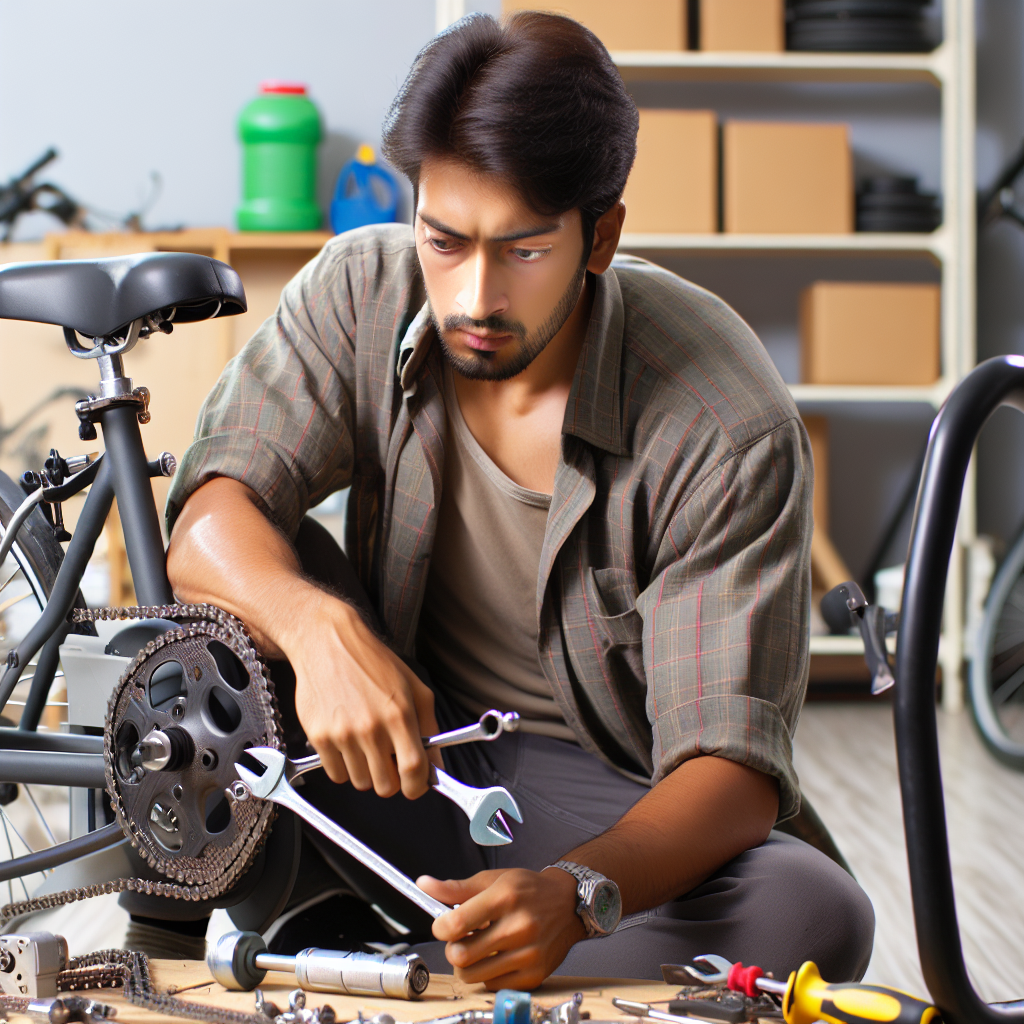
39	814
1009	688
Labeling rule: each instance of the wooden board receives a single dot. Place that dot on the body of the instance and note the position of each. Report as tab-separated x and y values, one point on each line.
445	995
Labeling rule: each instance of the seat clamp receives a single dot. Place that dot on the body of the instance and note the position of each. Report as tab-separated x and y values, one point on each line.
90	409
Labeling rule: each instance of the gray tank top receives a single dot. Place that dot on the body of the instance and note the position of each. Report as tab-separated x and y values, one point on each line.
478	628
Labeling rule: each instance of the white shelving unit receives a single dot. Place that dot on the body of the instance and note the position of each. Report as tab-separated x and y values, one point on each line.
950	69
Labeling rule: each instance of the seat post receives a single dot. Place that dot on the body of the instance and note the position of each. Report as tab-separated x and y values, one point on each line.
130	471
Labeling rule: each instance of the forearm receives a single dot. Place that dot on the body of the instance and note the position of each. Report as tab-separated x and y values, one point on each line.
701	816
226	552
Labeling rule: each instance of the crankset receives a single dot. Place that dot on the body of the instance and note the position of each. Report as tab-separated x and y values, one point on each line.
182	714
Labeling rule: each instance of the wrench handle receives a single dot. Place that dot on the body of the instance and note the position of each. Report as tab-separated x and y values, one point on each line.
287	797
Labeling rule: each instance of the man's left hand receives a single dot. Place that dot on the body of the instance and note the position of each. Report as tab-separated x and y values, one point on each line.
511	929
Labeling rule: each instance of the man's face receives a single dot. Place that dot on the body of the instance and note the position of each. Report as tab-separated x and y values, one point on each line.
501	279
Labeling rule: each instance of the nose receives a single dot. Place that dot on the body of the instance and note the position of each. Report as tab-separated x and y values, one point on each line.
481	294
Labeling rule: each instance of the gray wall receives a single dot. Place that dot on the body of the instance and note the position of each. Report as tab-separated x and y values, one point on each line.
125	87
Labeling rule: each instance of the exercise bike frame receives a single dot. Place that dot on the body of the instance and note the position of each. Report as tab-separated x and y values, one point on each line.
994	383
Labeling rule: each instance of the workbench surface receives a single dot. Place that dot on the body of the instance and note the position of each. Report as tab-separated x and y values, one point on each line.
445	995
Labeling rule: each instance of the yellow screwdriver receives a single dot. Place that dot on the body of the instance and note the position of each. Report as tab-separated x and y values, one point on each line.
806	998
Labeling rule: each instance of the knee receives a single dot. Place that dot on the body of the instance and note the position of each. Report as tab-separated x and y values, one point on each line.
829	916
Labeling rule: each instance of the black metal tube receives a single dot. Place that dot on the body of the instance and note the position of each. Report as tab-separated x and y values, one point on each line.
995	382
42	678
65	587
139	520
60	742
109	835
47	768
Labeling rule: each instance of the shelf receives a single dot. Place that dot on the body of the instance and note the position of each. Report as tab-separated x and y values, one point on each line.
931	244
845	645
933	395
698	66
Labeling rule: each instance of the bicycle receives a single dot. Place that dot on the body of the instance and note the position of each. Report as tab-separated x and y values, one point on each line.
188	673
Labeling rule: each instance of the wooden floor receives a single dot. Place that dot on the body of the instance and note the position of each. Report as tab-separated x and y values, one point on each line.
845	754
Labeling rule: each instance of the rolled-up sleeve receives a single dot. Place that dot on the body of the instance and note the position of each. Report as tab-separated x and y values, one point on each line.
726	616
280	417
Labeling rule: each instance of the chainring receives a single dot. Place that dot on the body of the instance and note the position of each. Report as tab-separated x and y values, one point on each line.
207	680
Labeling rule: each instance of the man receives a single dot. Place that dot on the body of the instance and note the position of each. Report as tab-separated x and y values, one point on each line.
580	492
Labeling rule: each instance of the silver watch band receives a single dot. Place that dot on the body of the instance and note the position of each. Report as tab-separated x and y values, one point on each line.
587	881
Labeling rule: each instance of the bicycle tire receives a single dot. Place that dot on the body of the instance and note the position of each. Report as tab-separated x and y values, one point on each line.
36	550
998	660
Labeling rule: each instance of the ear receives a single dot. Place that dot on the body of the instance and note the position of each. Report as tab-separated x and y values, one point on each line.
606	238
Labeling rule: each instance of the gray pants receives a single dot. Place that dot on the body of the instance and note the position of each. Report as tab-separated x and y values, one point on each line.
775	906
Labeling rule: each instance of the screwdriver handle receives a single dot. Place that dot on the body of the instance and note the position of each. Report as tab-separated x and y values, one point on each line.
808	999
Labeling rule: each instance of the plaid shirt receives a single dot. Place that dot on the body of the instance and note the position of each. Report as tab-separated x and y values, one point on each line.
674	585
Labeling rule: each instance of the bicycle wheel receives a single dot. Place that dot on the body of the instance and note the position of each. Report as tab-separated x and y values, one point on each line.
997	664
31	818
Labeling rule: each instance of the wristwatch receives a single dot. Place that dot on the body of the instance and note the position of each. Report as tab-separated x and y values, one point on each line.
600	905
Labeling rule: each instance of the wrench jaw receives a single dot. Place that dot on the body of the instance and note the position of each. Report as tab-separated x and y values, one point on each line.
718	976
488	827
263	785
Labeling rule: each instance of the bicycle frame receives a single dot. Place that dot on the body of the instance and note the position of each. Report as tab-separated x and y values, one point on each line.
124	473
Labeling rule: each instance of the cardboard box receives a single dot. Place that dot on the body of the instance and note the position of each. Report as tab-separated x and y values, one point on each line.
673	186
636	25
855	333
746	25
784	178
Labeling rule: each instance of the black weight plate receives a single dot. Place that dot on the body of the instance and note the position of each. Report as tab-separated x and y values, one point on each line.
856	9
895	223
895	201
862	36
888	184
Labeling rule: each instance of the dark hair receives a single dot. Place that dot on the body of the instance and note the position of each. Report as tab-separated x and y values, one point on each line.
535	99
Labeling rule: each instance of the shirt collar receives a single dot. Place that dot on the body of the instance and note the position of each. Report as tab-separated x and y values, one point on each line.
593	412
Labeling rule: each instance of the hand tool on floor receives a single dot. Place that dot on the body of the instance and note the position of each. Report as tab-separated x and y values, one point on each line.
510	1007
485	808
68	1008
240	960
30	963
806	998
635	1009
296	1012
274	786
491	725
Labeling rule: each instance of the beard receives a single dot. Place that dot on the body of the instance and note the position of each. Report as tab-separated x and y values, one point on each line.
482	365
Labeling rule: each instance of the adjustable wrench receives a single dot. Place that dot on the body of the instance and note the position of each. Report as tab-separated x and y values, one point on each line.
273	785
485	808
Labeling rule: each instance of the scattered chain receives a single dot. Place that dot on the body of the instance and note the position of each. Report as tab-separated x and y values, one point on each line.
129	970
213	873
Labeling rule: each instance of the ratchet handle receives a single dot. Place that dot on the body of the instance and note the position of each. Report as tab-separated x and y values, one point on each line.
808	999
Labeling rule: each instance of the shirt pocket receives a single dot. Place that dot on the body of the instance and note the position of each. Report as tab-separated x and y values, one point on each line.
612	595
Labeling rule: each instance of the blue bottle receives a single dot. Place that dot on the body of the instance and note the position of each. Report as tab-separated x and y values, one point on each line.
365	194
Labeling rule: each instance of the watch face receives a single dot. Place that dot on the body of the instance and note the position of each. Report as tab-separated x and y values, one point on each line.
607	906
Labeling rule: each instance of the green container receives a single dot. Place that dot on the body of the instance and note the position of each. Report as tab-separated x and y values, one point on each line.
280	131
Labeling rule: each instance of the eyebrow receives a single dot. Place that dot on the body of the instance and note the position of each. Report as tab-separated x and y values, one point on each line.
515	236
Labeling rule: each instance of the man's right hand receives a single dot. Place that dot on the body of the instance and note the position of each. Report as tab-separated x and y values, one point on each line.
364	710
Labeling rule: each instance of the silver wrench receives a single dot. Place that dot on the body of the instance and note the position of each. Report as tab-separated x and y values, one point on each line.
485	808
274	786
491	725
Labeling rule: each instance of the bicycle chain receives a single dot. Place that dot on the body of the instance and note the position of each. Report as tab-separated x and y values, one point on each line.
219	870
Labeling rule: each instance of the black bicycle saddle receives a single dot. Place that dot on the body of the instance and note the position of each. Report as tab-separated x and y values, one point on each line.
99	298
